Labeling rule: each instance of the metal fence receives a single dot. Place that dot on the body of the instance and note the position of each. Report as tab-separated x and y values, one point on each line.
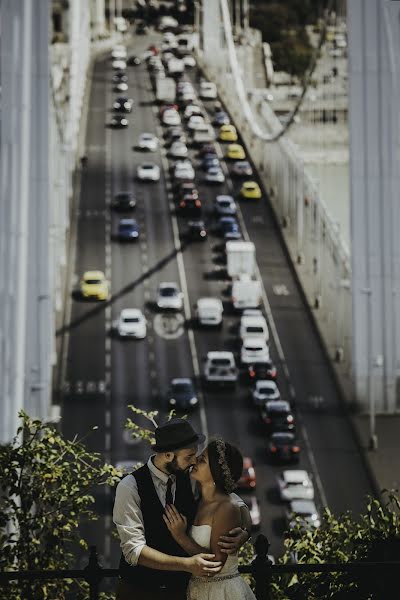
261	568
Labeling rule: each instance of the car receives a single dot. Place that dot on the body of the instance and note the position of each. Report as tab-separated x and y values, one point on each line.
248	480
242	168
295	484
185	98
148	172
254	349
195	122
207	149
304	511
229	228
189	61
120	76
178	150
124	201
185	187
277	416
128	230
171	117
184	86
215	175
235	152
121	87
123	104
169	296
224	205
134	61
208	90
181	394
94	285
227	133
175	134
119	121
141	28
220	368
251	190
192	109
132	323
283	447
261	371
209	156
254	326
190	206
222	118
254	508
119	52
148	141
168	106
196	230
263	391
183	169
210	161
209	311
119	64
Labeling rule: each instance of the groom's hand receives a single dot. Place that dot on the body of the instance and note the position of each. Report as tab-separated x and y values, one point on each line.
202	565
231	543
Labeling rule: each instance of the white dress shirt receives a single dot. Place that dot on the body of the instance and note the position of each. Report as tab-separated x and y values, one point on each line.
127	514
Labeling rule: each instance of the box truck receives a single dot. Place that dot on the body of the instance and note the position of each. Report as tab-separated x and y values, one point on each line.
241	266
165	89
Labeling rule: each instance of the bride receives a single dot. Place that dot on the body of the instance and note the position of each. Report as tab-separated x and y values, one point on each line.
218	469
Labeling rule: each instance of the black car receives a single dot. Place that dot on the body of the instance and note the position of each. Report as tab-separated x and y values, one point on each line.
277	416
128	230
123	104
124	201
196	231
133	61
208	149
190	206
182	395
119	121
258	371
282	447
185	187
120	77
141	28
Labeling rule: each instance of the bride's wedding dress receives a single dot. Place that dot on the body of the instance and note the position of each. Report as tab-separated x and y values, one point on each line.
227	585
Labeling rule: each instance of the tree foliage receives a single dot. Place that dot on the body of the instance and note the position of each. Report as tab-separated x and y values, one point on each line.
46	487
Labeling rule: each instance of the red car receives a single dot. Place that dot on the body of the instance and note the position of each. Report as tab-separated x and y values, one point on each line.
248	478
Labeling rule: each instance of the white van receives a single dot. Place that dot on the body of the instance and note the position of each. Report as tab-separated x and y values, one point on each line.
246	292
209	311
204	134
220	368
208	90
253	325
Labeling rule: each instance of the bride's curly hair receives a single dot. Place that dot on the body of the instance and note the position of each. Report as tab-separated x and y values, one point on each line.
226	464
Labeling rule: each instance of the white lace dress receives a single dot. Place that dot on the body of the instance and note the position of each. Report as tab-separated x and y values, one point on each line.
227	585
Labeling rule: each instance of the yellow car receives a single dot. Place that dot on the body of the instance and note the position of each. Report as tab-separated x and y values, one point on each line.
94	285
227	133
251	190
235	152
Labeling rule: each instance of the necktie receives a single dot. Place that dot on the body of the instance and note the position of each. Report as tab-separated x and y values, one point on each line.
168	496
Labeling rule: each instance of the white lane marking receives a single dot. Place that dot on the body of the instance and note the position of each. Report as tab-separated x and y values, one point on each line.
108	345
108	417
108	441
108	361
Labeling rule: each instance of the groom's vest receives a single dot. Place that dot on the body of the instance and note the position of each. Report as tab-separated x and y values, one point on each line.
156	531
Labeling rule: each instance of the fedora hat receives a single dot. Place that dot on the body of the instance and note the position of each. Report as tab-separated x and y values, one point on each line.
176	434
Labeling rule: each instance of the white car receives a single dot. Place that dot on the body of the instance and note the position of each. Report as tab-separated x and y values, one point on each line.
265	390
148	172
192	109
196	122
169	296
295	484
121	87
184	170
307	513
208	90
185	86
215	175
119	52
220	368
209	311
253	326
178	150
171	117
254	350
148	141
119	65
189	61
132	323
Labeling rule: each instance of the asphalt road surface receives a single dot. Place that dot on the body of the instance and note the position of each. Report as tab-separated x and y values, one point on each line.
103	374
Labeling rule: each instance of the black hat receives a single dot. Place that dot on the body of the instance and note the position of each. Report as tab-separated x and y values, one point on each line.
176	434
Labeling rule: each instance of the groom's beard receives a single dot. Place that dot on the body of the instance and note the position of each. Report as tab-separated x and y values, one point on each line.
173	468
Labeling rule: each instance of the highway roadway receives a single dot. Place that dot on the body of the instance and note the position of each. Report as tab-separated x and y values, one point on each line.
102	375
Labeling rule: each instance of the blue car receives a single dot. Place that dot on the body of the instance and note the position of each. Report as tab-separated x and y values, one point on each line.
221	118
224	205
128	230
209	163
229	228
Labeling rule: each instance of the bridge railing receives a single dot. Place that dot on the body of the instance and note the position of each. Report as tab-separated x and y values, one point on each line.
261	568
319	253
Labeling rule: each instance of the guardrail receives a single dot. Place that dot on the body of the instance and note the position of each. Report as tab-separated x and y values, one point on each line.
261	568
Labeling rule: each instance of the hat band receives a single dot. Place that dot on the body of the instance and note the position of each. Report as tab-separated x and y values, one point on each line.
177	445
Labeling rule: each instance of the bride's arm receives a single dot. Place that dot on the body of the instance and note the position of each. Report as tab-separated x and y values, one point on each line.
226	517
177	525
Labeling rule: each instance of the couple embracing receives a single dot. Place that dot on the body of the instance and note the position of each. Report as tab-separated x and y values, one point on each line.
179	522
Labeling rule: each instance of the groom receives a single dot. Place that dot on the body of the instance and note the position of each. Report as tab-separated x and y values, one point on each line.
153	566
